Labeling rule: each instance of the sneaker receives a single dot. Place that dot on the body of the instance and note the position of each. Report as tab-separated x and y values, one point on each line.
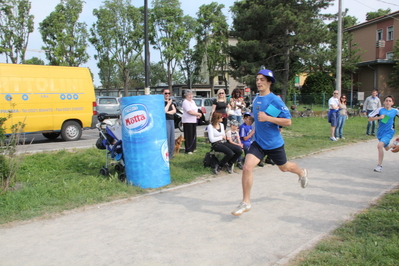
261	164
189	152
304	179
336	138
342	137
217	169
269	161
378	169
333	139
229	168
240	209
239	165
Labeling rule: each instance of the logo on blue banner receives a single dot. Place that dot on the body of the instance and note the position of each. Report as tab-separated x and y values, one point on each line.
136	118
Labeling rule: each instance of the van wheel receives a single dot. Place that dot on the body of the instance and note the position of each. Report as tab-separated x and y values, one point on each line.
71	130
51	135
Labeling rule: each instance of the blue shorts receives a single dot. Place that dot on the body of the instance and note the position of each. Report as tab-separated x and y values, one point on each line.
386	138
277	155
333	117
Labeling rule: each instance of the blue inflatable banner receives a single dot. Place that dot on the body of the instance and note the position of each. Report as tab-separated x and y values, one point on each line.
144	141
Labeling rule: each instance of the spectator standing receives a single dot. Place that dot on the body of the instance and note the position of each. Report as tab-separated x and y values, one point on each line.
217	137
342	117
270	112
386	128
237	104
220	105
370	104
333	104
189	120
170	111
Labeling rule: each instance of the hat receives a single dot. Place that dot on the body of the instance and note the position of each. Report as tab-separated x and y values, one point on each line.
234	123
247	114
268	73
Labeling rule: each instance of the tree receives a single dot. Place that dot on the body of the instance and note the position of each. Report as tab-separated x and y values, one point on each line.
64	38
169	34
34	61
118	37
212	40
394	76
380	12
15	26
275	37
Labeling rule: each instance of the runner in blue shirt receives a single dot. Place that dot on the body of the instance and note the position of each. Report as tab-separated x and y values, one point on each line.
386	127
270	112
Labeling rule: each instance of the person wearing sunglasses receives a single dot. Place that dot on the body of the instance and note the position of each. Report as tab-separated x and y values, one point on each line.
170	110
342	117
219	105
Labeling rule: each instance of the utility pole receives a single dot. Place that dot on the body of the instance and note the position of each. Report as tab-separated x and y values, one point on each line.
339	49
147	89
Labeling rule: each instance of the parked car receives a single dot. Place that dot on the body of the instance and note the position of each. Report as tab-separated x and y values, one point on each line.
109	105
205	107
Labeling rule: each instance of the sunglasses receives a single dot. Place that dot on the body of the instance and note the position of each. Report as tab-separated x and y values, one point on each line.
166	93
335	92
221	92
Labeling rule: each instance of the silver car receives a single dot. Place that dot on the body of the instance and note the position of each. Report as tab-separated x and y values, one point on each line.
109	105
205	105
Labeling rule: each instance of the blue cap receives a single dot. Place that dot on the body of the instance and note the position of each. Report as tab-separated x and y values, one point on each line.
247	113
268	73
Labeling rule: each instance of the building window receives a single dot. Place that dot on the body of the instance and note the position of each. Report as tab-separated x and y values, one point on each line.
379	34
390	33
390	56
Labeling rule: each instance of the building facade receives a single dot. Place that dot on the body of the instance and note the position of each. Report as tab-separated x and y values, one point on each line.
377	38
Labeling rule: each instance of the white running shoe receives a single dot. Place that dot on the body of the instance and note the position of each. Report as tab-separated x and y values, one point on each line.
378	169
304	179
240	209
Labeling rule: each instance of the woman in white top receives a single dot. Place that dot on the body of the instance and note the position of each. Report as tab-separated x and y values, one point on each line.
217	137
189	120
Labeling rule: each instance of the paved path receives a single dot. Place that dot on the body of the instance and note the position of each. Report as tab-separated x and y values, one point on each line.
192	224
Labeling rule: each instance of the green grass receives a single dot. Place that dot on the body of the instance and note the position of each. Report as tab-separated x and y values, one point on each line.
52	182
372	238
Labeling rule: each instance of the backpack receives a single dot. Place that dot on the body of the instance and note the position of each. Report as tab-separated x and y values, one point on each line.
210	160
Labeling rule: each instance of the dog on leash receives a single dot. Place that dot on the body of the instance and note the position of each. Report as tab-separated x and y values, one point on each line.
178	143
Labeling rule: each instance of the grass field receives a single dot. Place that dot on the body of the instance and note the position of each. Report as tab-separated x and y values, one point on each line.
51	182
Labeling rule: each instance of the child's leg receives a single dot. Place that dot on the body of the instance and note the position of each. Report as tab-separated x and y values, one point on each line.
380	148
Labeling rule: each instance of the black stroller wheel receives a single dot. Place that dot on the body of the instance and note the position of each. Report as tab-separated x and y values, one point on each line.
104	171
122	177
119	167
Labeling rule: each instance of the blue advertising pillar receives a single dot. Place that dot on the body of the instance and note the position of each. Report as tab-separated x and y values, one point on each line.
144	141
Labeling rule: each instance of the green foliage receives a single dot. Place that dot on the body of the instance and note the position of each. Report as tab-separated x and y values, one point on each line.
34	61
316	84
275	37
212	40
64	38
15	26
380	12
118	37
169	34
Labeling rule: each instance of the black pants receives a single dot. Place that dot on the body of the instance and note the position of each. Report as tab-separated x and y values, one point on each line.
190	136
232	152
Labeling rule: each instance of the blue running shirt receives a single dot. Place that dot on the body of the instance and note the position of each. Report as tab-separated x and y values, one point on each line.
267	134
388	128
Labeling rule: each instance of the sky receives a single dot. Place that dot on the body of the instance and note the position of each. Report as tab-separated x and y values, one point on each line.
42	8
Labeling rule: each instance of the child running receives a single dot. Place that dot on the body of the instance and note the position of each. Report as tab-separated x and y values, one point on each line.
386	117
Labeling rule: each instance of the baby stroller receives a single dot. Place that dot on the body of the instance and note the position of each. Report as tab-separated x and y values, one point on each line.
110	139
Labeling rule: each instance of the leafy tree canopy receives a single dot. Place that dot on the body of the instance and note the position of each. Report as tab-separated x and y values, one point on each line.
380	12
